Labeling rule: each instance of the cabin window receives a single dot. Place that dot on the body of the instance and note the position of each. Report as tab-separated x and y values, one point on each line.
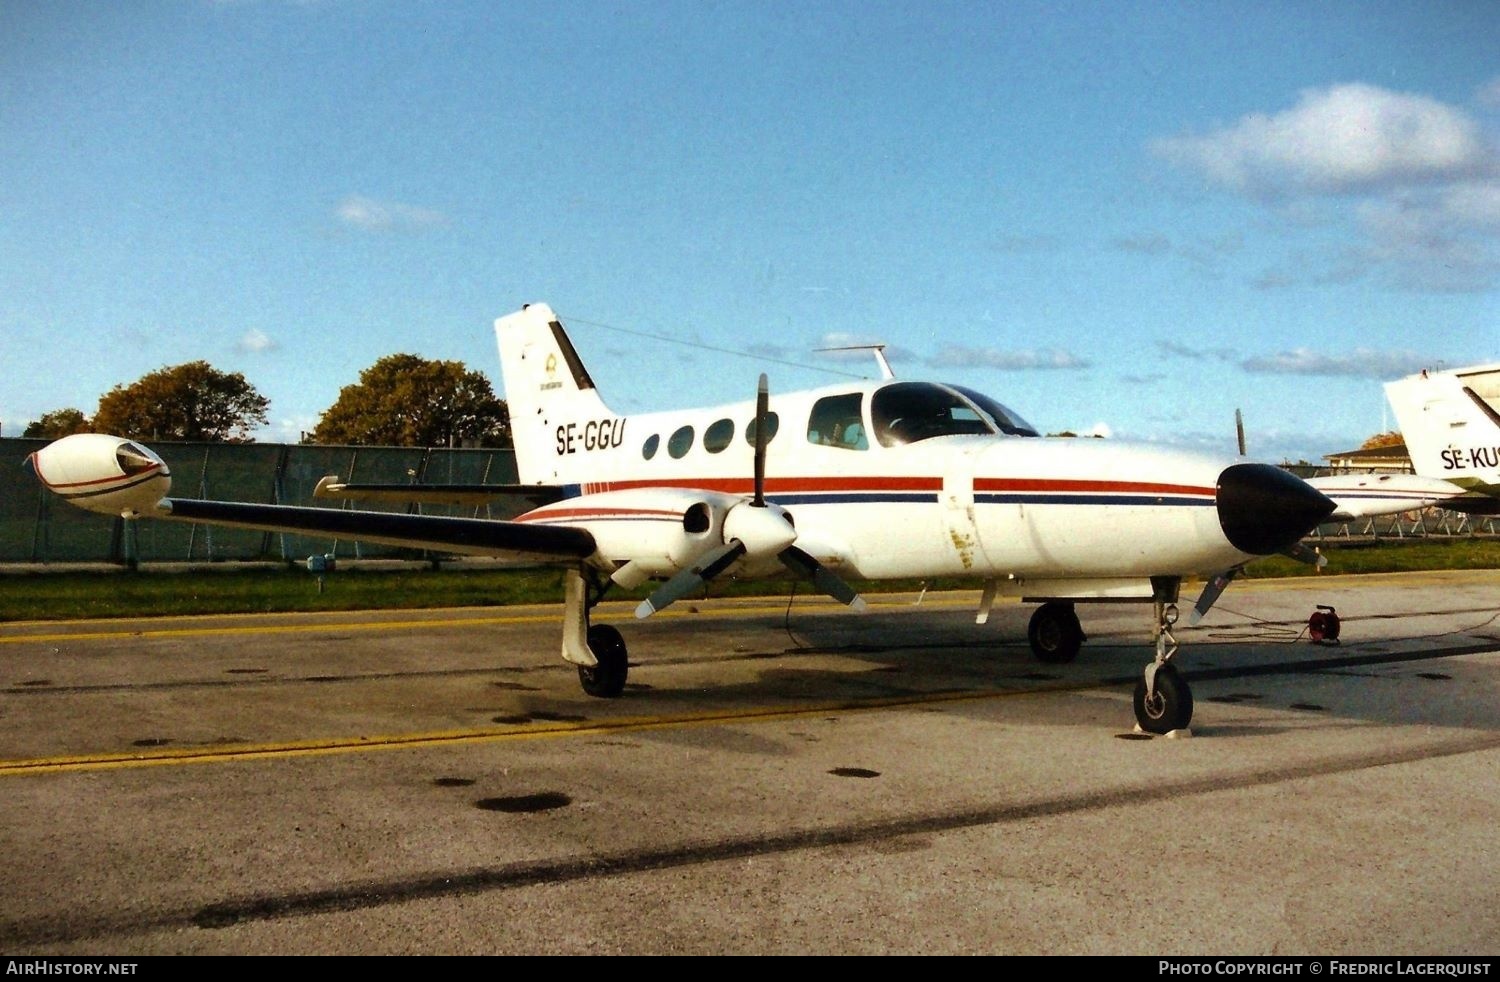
680	442
837	421
648	449
718	435
906	412
773	422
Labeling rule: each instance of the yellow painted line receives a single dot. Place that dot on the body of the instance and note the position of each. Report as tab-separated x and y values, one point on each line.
226	753
377	625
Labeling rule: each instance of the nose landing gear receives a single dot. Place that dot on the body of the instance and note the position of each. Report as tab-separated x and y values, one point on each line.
1163	701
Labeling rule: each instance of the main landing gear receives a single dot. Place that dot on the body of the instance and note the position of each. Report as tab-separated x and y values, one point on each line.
1163	701
598	649
1054	633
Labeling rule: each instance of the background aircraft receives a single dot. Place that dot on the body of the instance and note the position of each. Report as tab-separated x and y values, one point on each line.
1451	425
873	480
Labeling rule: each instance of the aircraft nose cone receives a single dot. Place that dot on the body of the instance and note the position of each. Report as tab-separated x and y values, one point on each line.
1263	509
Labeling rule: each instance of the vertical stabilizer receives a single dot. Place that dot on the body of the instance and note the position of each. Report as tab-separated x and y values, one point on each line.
557	418
1451	423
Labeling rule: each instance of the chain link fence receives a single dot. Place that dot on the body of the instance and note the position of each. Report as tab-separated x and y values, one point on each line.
37	527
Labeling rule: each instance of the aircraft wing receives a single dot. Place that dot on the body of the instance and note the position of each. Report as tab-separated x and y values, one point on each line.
114	476
437	494
1359	496
470	536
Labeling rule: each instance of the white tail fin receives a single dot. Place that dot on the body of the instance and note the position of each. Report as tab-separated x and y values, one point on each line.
556	415
1451	424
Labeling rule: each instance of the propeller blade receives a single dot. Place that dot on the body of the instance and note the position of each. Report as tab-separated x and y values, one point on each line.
1211	591
762	407
710	564
1303	554
800	562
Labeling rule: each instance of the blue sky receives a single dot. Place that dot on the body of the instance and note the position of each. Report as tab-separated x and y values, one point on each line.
1135	217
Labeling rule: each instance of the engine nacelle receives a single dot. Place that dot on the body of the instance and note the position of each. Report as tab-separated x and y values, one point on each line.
100	473
663	530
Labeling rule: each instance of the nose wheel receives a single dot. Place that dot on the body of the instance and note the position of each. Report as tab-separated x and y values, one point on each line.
1163	701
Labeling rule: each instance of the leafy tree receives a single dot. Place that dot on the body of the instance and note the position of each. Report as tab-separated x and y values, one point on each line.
58	423
194	401
1391	439
408	401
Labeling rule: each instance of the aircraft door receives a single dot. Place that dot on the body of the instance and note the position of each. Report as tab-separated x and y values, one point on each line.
958	510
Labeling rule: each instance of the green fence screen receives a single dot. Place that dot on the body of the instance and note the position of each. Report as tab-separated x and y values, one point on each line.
37	527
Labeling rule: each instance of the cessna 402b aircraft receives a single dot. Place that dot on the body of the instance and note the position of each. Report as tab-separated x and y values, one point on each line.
871	480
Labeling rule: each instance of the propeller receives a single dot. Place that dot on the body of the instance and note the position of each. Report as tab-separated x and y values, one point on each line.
1217	584
1211	591
752	527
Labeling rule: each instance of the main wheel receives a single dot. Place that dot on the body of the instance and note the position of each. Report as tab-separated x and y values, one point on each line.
1170	706
605	680
1054	632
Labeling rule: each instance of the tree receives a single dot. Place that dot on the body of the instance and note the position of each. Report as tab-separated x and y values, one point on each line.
57	424
194	401
408	401
1391	439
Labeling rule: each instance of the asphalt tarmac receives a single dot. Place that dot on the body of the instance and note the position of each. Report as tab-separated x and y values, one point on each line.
777	779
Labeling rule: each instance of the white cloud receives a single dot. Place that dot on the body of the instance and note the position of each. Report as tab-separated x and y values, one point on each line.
956	356
370	215
1360	363
1488	95
256	341
1347	138
1412	183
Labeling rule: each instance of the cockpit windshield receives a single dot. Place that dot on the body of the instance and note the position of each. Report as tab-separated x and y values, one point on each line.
1002	416
906	412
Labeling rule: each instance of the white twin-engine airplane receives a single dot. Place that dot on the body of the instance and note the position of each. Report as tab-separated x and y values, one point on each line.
873	480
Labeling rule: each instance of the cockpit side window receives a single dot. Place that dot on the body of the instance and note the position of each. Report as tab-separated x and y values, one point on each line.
838	421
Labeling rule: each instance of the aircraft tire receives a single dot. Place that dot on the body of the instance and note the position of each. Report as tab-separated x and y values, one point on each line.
1171	705
605	680
1054	633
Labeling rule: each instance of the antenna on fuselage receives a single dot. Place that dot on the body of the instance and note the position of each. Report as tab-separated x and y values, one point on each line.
877	349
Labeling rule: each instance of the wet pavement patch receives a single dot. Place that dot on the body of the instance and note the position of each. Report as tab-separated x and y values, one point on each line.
321	678
1435	676
853	772
37	682
546	717
540	802
245	671
151	742
511	720
453	782
514	686
1311	707
1133	736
